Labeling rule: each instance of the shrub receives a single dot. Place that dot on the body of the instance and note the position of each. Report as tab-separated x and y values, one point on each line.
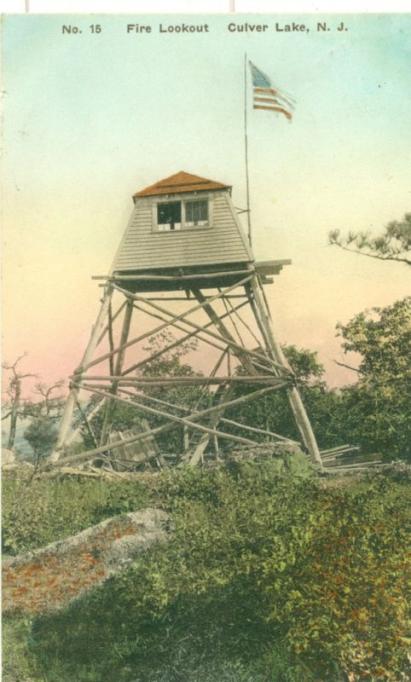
258	563
41	435
41	511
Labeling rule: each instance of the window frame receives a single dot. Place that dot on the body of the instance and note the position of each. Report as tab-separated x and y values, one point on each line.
172	198
190	223
159	225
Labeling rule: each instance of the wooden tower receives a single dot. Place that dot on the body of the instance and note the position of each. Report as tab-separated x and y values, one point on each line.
184	264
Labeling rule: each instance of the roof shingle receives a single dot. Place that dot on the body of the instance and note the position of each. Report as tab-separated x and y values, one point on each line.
180	182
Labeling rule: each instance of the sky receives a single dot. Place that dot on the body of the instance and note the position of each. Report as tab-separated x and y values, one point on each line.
89	118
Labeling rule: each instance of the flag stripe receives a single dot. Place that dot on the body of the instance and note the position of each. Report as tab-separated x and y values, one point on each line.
267	99
279	109
274	93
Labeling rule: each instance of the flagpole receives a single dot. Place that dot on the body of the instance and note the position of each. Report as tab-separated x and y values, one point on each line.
247	179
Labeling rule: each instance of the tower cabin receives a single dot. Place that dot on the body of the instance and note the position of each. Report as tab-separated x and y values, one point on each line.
183	227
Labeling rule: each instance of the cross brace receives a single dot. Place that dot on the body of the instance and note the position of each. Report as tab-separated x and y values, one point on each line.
266	366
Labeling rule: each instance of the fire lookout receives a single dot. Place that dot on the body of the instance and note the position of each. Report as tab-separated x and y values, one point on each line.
185	261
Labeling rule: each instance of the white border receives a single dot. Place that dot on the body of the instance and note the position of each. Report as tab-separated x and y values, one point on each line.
202	6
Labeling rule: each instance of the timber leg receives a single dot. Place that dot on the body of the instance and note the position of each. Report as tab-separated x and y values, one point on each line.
73	395
262	316
109	406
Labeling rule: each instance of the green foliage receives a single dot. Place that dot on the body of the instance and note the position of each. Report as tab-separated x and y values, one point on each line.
17	662
41	434
305	365
41	511
266	575
272	412
382	337
376	409
374	412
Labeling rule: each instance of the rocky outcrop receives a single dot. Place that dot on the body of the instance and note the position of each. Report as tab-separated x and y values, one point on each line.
51	577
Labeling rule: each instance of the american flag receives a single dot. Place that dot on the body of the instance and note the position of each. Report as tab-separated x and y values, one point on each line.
268	96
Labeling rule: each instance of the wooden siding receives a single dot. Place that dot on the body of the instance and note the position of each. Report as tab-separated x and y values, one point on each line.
143	248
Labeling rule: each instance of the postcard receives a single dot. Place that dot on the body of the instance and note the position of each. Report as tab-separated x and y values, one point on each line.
206	251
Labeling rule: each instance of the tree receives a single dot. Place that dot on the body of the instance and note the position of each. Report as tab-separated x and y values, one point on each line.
393	244
41	434
49	405
42	412
375	412
14	390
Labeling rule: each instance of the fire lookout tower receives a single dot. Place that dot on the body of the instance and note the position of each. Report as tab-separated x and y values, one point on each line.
184	262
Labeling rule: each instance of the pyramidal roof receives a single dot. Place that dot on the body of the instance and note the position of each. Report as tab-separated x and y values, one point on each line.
180	182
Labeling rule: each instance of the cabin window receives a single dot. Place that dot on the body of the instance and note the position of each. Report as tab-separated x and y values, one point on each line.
172	216
196	213
169	216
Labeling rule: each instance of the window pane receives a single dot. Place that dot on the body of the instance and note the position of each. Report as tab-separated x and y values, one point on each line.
196	212
169	215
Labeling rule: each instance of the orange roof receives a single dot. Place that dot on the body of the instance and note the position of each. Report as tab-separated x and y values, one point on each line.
180	182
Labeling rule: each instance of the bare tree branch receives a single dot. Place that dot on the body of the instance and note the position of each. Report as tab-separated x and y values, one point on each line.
14	393
342	364
394	244
371	255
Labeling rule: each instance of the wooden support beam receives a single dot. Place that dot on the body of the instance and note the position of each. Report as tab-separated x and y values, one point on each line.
211	376
258	360
231	422
119	379
179	326
110	338
271	267
355	466
232	320
238	349
105	429
88	354
235	312
89	454
177	318
113	319
184	421
301	418
86	422
184	299
176	343
204	328
173	278
264	432
74	434
96	389
201	447
339	449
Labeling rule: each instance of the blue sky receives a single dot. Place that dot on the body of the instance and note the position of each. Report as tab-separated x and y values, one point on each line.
91	118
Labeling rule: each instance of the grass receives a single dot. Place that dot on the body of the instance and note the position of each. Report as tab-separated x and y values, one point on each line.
41	511
201	609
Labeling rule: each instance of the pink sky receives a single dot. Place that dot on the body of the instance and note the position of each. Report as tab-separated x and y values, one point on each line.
80	139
